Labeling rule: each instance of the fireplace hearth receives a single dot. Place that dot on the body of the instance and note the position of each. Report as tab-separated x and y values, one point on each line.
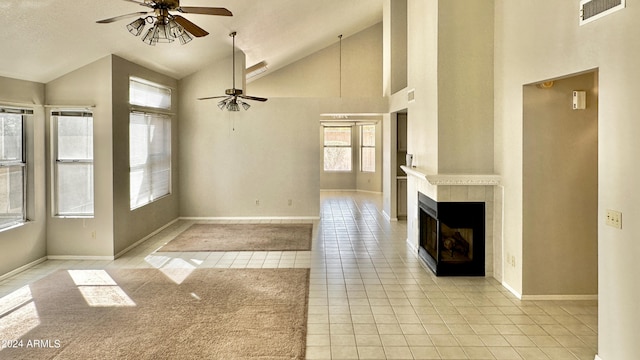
452	236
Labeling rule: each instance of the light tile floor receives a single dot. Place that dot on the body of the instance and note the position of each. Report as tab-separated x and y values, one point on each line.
371	298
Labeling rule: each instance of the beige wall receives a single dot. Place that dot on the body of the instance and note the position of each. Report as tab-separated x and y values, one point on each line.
319	75
560	169
422	49
67	237
542	40
465	86
27	243
130	226
105	85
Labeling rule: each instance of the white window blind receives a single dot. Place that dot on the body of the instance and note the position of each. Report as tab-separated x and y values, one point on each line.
149	157
74	181
146	94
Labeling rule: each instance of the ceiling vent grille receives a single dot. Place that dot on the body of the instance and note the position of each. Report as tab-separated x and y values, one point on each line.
591	10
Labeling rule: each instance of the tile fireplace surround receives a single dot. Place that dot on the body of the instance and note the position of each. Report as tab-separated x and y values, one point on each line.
459	188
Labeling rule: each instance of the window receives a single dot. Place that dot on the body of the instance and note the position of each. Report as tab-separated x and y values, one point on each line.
337	148
368	148
147	94
149	142
73	169
13	167
149	157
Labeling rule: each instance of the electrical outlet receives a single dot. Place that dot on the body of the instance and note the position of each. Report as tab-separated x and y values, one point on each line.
257	202
614	219
290	202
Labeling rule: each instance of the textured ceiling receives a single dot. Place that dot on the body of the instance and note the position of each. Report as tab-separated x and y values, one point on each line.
45	39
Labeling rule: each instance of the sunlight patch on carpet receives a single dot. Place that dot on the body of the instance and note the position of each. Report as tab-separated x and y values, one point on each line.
18	314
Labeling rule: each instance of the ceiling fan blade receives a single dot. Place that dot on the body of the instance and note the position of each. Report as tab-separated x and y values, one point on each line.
205	10
192	28
214	97
253	98
110	20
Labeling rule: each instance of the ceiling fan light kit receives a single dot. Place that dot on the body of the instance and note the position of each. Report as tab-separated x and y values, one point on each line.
166	27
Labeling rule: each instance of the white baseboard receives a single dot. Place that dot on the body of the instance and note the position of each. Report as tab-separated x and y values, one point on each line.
249	218
80	257
146	238
548	297
597	357
352	190
23	268
512	290
559	297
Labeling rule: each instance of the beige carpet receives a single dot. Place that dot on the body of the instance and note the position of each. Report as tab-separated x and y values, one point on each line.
242	237
143	314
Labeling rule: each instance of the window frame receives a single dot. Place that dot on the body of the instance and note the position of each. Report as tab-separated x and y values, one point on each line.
57	161
151	110
19	163
325	147
363	147
148	165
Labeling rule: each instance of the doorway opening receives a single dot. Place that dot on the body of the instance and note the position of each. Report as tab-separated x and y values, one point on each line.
560	188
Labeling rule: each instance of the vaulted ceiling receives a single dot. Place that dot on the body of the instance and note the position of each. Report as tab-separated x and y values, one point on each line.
44	39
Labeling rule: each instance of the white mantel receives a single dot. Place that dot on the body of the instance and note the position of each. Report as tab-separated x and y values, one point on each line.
453	179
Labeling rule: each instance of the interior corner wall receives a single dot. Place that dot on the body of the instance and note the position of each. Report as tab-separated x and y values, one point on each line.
131	226
26	244
89	85
560	212
543	40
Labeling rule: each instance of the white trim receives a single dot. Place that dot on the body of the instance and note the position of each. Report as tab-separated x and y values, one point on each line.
130	247
23	268
247	218
338	190
453	179
598	357
70	107
9	103
559	297
80	257
352	190
512	290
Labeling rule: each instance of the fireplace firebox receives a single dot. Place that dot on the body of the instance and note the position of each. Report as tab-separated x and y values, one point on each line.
452	236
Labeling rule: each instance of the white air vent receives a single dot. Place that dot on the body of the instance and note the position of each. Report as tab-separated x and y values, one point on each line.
591	10
411	95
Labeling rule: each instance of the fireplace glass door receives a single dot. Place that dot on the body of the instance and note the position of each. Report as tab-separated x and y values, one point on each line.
456	245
